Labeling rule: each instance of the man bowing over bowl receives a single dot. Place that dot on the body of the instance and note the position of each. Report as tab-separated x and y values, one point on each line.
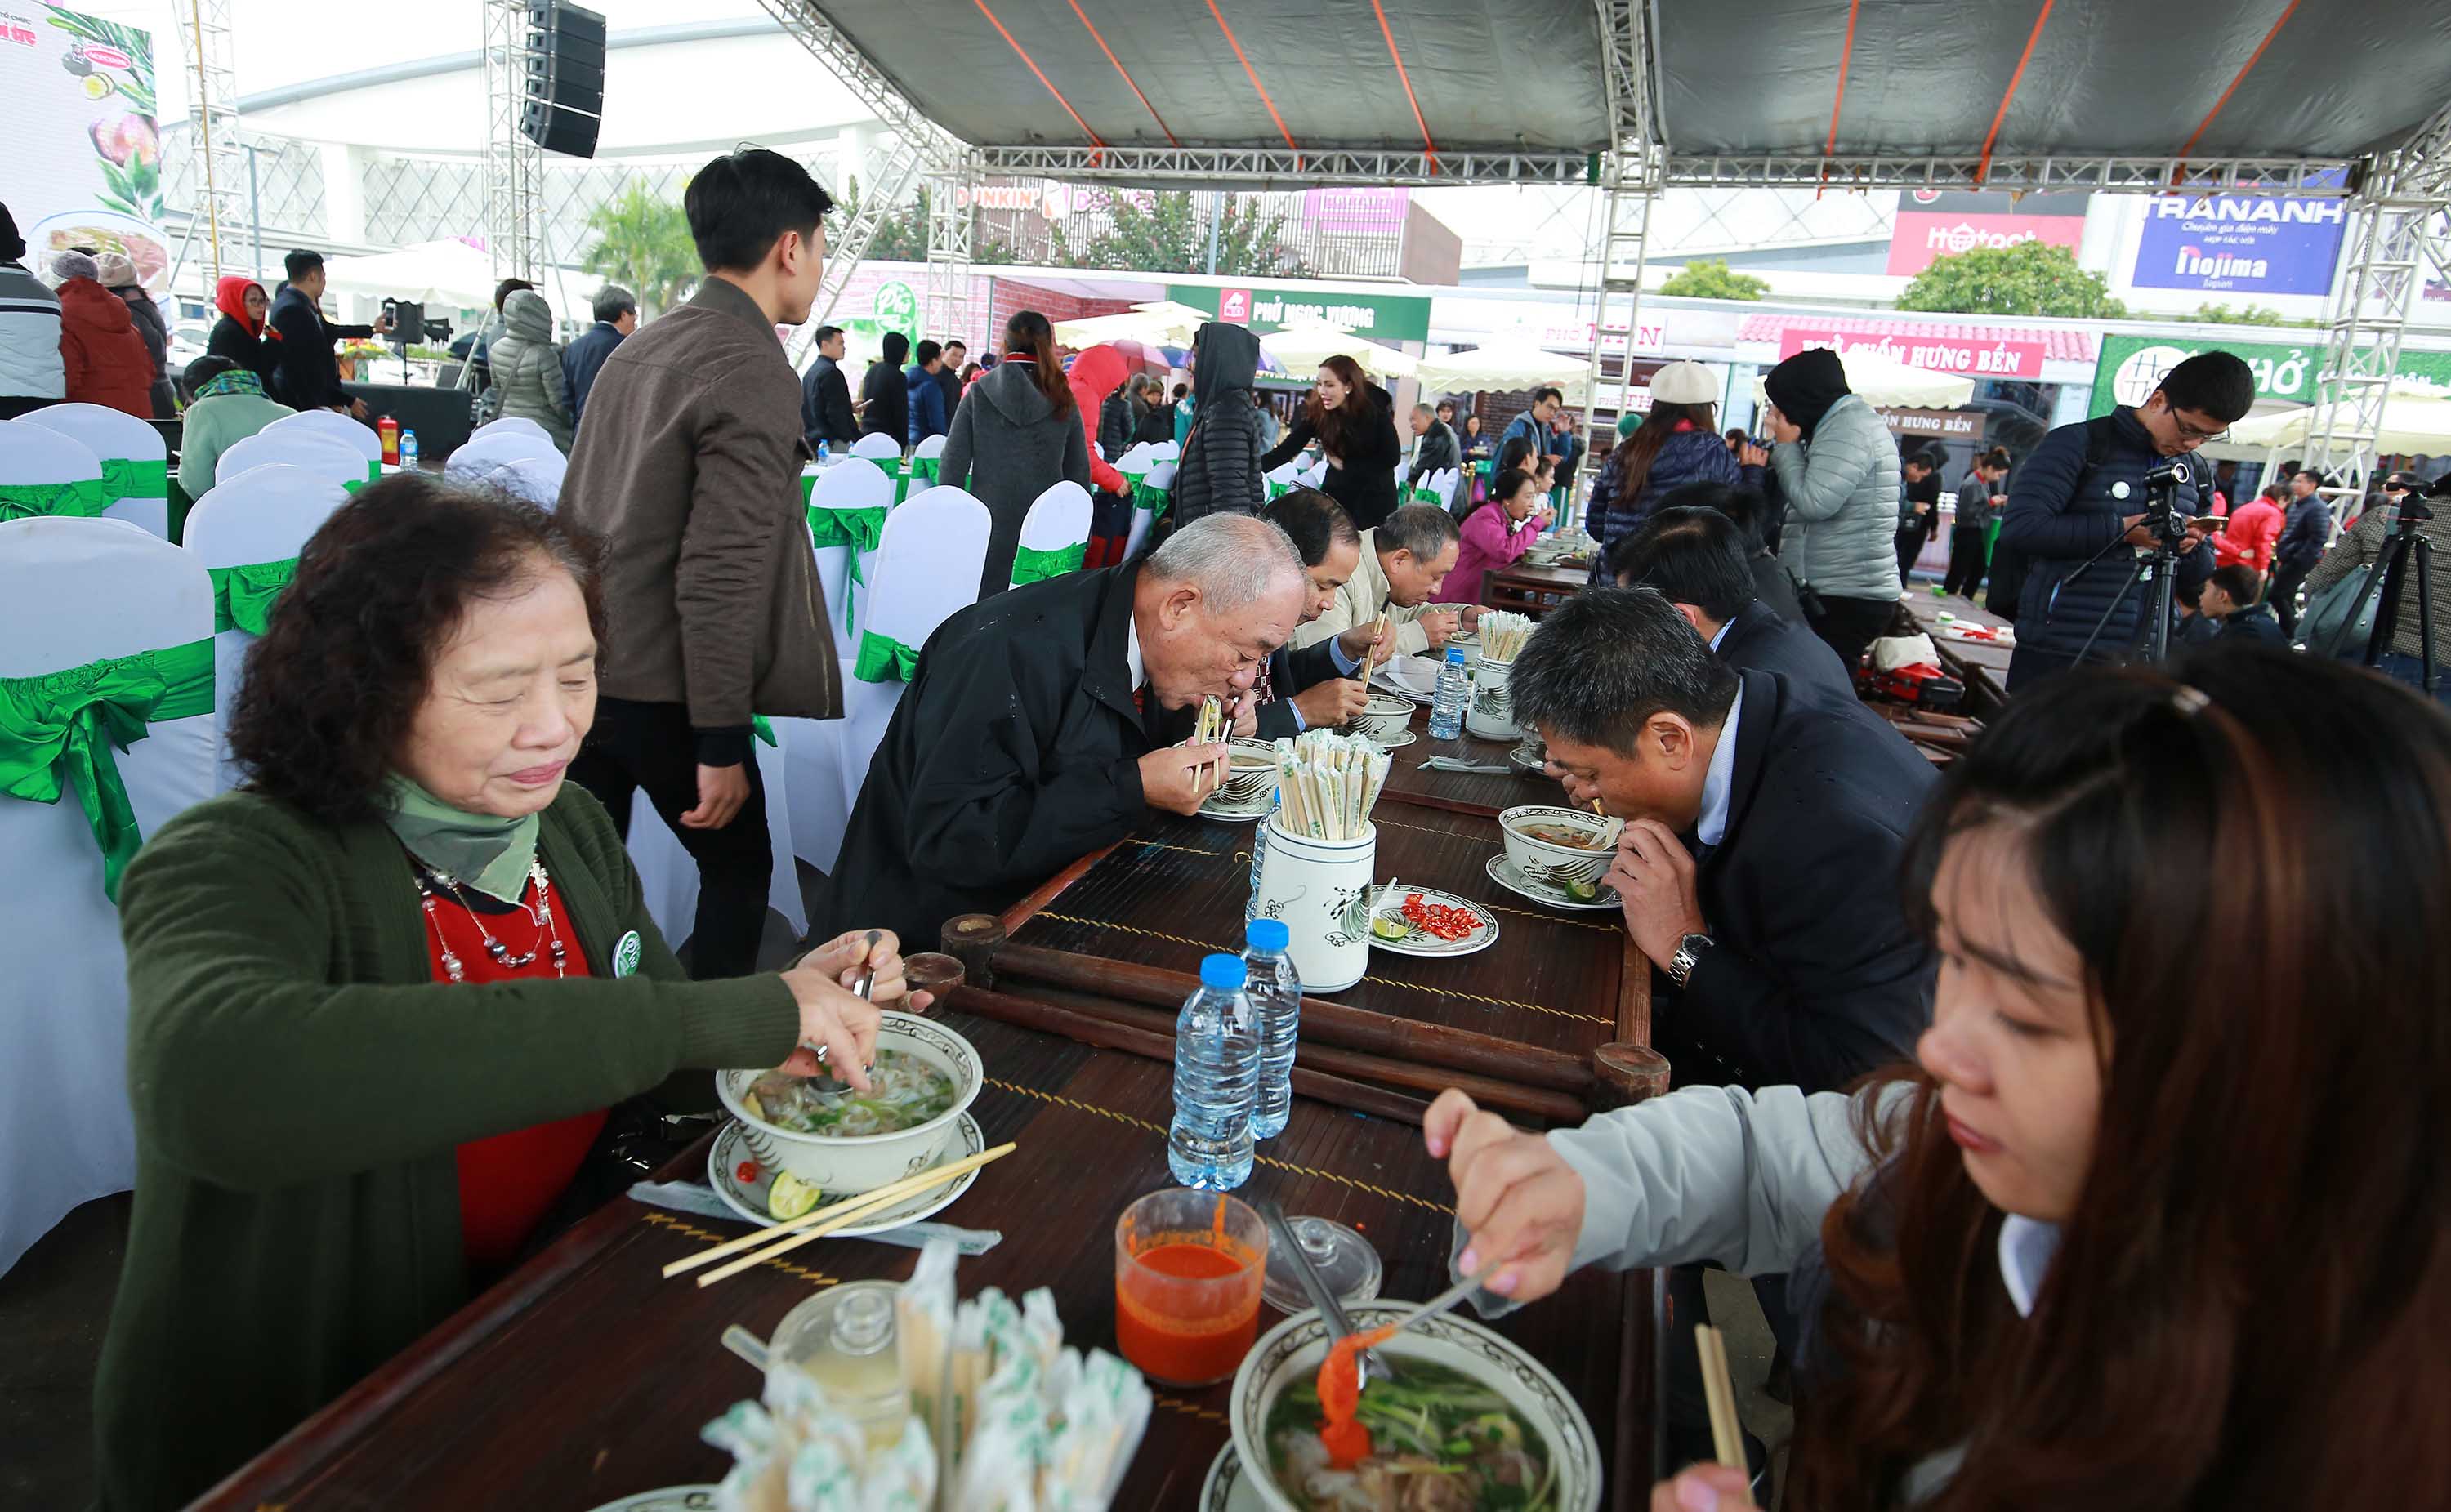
1029	735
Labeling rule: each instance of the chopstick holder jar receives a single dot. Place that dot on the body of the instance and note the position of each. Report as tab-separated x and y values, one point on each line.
1491	714
1321	890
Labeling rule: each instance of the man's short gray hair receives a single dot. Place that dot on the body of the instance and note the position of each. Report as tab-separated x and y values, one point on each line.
1425	412
1233	559
1422	529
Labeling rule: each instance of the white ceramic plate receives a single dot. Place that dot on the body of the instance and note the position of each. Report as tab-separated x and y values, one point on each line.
1228	1489
682	1498
1384	742
1525	760
748	1198
1239	812
1504	872
1421	942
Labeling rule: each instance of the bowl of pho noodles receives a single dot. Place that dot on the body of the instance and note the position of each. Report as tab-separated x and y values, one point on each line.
843	1142
1542	838
1472	1424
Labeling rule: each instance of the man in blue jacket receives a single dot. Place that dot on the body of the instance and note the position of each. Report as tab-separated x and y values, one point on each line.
927	415
2081	494
1532	427
2307	531
616	315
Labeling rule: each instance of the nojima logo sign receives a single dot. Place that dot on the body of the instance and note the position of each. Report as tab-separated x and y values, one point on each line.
2235	244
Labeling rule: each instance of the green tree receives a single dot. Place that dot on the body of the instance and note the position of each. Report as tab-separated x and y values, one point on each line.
1167	231
1709	278
902	236
643	244
2031	278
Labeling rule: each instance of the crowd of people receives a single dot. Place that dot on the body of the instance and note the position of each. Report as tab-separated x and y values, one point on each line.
2022	1174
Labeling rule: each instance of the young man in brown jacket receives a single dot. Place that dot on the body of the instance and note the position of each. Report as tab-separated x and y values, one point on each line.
690	475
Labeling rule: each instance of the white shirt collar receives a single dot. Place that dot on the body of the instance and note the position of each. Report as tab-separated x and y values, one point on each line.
1723	635
1133	651
1713	826
2026	1246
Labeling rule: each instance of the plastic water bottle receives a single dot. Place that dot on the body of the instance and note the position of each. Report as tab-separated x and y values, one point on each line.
822	457
1455	691
1275	991
408	451
1216	1066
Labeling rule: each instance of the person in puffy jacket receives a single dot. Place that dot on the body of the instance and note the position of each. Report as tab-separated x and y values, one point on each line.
2252	531
1837	466
1220	471
1097	377
2303	535
925	395
101	357
30	374
527	371
884	394
1017	434
2082	492
119	276
239	334
1115	410
1354	421
1675	444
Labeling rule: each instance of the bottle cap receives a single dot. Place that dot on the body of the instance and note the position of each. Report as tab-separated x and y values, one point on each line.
1454	655
1224	972
1267	934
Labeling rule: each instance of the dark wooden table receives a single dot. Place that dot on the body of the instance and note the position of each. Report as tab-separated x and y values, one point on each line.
1534	591
1485	794
1983	667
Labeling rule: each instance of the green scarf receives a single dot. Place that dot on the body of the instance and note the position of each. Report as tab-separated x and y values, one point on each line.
882	658
857	529
483	850
1036	566
82	499
237	381
58	729
242	597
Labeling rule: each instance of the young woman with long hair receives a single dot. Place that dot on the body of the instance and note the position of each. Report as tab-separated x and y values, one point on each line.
1979	503
1677	442
2148	1224
1496	534
1016	436
1354	423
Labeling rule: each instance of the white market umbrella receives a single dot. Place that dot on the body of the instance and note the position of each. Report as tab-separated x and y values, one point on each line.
1309	343
1503	368
2416	418
1886	383
1159	323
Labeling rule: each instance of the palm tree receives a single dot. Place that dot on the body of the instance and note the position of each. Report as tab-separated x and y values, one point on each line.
643	244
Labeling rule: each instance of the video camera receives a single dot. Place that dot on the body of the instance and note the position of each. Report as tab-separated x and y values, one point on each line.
2162	515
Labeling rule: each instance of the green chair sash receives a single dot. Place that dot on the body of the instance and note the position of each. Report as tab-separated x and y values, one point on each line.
1036	566
1277	489
1425	493
927	467
242	595
374	469
1148	495
856	530
882	658
82	499
350	486
58	729
135	478
763	729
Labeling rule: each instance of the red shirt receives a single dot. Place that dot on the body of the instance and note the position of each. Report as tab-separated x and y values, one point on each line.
510	1181
2254	529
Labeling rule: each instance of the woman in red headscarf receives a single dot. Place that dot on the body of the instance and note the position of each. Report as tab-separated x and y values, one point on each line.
239	334
1094	374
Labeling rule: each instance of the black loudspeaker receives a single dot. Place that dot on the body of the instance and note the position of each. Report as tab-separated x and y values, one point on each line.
564	104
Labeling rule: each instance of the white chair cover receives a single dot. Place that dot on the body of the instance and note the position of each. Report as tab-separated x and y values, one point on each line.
668	875
926	570
1058	519
855	483
481	454
114	435
1287	472
1161	474
877	446
538	479
1316	473
264	514
319	454
356	435
1135	458
512	425
933	446
36	454
72	592
1165	451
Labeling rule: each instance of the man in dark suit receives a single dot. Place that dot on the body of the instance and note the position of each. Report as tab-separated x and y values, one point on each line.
617	316
826	413
1765	819
306	374
1696	560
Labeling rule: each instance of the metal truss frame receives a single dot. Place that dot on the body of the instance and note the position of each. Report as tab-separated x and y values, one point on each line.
220	199
1630	180
2401	222
514	176
1276	168
944	311
2072	173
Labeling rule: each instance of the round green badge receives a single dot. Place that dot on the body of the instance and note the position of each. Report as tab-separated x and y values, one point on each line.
625	955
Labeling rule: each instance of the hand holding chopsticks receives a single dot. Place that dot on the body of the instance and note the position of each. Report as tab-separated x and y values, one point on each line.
820	1222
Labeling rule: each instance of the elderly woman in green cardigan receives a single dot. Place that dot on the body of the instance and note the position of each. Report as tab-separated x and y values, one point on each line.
382	997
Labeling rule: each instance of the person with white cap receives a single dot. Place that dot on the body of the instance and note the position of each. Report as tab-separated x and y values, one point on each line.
1676	443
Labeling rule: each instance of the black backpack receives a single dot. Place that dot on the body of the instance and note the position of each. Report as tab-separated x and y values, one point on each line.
2008	563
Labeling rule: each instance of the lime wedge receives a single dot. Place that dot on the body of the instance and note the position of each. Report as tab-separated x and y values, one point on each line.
1583	892
1388	927
791	1197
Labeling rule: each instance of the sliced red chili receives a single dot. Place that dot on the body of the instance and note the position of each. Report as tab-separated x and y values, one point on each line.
746	1170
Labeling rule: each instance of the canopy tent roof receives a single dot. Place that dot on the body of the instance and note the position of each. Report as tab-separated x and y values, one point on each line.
2097	93
2416	418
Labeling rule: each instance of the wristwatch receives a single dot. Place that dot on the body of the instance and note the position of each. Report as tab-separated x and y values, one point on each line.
1689	953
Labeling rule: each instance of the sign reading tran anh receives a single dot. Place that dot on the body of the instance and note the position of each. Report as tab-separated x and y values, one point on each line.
2237	244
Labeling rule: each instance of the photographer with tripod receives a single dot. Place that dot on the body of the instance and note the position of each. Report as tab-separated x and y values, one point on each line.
2393	545
2103	512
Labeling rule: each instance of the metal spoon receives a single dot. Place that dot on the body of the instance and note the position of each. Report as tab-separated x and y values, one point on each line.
1369	1363
829	1084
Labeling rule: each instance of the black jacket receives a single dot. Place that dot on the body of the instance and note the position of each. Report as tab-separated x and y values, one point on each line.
1012	754
1436	452
2255	624
889	405
2304	536
1220	470
1759	641
1774	588
306	374
2067	504
1813	976
825	404
1155	425
583	359
1114	426
234	341
1365	485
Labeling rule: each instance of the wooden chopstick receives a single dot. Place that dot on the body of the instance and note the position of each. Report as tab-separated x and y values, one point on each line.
1727	1438
824	1220
1370	652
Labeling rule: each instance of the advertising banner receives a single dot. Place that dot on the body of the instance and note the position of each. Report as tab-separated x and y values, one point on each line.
1377	212
1948	424
2131	368
1265	307
1938	223
1933	354
2229	243
85	151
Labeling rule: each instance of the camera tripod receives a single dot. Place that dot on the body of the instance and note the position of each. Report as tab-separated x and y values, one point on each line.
2403	548
2157	569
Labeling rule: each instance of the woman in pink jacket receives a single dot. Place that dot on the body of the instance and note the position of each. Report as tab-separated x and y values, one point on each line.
1495	534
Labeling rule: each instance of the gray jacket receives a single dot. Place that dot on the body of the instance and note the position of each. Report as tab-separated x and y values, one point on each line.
30	337
1842	503
1006	446
527	367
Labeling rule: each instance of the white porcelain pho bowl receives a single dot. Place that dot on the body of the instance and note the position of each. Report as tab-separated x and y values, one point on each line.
1251	769
849	1164
1386	715
1526	851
